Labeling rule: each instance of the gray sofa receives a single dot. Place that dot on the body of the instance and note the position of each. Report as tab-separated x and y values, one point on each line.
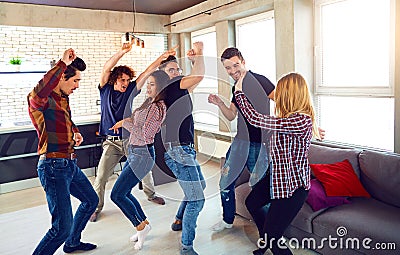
374	221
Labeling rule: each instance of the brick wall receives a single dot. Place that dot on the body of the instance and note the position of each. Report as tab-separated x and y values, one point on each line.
38	46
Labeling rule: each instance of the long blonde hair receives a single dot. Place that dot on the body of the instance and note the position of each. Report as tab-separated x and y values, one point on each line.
292	96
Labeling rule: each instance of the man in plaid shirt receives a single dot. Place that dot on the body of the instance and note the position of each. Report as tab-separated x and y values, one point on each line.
57	168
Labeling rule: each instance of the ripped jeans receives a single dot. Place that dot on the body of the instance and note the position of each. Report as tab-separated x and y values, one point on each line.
241	153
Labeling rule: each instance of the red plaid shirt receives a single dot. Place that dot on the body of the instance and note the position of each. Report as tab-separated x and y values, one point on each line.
51	115
289	147
144	124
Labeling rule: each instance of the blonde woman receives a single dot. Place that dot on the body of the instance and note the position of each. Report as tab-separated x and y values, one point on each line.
285	187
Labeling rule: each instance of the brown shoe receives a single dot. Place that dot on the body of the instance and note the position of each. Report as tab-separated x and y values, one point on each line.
93	217
157	200
176	225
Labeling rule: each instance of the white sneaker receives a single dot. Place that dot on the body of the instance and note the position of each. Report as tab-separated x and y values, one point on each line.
221	226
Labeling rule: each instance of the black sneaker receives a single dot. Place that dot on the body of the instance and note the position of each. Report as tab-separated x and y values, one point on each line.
177	225
80	247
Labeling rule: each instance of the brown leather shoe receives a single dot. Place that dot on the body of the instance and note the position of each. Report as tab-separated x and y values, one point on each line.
93	217
176	225
157	200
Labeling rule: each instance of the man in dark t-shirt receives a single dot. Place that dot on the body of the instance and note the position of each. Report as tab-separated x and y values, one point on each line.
250	145
178	138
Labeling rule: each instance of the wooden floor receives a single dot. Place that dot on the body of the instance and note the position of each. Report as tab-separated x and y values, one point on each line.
24	219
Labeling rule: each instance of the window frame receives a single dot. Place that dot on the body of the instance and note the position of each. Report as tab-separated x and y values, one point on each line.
357	91
264	16
201	88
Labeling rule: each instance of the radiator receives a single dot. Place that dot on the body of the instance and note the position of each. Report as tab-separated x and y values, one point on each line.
211	146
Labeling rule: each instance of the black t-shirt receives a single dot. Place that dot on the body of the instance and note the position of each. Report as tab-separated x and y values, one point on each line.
257	88
179	125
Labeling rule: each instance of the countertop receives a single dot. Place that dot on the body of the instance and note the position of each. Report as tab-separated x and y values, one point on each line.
26	125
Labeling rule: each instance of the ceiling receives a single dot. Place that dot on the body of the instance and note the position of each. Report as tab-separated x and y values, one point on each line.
165	7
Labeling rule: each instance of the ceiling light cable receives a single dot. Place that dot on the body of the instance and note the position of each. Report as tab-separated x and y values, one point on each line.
130	36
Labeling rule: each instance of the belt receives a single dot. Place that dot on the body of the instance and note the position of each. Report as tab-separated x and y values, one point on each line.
58	155
141	146
114	138
173	144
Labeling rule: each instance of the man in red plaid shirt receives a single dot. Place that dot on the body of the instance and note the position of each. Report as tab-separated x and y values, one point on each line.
57	168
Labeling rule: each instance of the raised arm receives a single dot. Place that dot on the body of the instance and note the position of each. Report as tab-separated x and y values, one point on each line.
141	79
191	81
38	97
109	65
229	112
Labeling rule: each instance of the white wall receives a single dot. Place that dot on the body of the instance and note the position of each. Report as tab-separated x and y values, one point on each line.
37	46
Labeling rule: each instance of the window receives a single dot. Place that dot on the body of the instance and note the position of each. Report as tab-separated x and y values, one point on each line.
354	62
204	112
255	38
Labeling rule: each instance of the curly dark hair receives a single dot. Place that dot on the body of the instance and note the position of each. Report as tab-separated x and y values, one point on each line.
118	71
231	52
77	64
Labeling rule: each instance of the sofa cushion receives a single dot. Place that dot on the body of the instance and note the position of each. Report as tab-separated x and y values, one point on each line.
304	218
319	154
318	199
380	174
363	218
339	179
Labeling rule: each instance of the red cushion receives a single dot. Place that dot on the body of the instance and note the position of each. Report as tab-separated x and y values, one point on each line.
339	179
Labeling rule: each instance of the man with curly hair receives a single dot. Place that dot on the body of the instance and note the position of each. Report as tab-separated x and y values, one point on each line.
117	91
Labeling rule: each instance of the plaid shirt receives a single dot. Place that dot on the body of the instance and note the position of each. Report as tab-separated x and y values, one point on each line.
144	124
289	147
51	115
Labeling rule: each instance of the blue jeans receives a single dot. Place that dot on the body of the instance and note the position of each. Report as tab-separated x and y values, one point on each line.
241	153
61	178
182	162
139	163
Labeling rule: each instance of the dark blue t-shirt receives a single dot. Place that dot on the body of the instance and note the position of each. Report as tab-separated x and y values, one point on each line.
257	88
179	125
115	106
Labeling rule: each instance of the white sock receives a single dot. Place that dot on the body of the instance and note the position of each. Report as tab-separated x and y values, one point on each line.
142	236
134	238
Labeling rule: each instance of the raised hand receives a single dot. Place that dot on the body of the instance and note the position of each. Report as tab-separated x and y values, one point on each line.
239	83
68	56
214	99
170	52
126	47
197	50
